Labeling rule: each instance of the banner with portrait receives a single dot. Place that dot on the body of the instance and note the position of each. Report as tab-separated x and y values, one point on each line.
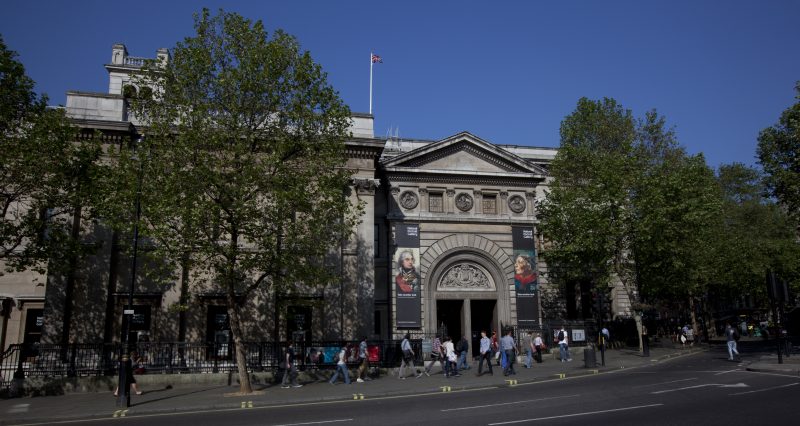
526	277
407	280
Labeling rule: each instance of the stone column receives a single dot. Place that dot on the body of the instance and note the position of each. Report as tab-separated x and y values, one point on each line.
423	200
450	201
531	198
363	262
467	321
502	209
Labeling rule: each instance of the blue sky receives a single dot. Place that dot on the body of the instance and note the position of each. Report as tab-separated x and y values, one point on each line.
507	71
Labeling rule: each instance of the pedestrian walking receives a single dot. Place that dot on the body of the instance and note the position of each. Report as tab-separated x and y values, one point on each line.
495	347
731	334
463	353
527	343
363	358
451	368
129	360
408	357
436	355
538	344
341	368
563	345
486	354
290	369
509	348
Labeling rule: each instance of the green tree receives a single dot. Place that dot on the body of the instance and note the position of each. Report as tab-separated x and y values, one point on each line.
626	202
47	181
755	234
245	128
779	154
587	213
678	206
29	132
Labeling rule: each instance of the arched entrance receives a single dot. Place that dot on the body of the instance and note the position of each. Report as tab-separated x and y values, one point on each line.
468	286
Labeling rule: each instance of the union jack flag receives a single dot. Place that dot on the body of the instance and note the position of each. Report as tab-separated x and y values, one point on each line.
376	59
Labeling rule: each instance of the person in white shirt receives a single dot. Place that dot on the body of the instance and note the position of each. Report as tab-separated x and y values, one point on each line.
341	367
563	346
538	344
450	370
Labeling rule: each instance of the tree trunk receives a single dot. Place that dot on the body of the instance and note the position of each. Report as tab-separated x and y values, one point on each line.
637	317
234	307
69	289
694	318
111	288
241	354
184	296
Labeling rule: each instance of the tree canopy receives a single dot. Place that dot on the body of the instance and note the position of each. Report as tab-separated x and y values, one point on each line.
242	158
626	202
779	154
43	173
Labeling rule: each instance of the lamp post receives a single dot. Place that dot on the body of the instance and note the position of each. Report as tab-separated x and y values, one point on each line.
126	363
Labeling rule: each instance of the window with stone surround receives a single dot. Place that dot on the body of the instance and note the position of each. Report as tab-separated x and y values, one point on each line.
436	202
489	204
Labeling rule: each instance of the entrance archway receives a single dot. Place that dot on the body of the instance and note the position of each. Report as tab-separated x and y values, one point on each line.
468	283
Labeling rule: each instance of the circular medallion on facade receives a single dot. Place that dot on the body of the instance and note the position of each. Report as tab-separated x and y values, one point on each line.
464	202
409	200
516	204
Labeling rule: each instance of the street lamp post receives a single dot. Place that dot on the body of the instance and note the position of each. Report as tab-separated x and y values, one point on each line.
126	363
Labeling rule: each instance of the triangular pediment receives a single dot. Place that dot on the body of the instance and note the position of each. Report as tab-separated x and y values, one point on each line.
465	153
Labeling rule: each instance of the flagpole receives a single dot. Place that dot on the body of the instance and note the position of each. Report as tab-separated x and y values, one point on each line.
371	63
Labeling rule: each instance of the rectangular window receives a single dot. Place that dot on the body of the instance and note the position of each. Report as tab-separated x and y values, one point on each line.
376	329
376	242
436	203
490	204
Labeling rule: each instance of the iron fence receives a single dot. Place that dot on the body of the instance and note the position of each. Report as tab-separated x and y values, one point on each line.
81	360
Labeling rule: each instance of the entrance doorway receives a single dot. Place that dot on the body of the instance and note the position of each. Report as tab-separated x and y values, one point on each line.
449	313
482	318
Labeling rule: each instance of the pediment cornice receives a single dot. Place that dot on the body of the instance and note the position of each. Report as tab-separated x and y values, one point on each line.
503	161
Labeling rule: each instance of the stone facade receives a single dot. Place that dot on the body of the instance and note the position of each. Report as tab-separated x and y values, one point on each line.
463	195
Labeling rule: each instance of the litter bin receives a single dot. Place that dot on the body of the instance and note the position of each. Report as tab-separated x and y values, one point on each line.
589	360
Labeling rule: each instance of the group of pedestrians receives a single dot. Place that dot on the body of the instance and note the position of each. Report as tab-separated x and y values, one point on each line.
363	364
453	358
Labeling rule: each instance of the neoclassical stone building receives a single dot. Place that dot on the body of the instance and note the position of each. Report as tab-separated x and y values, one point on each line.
448	240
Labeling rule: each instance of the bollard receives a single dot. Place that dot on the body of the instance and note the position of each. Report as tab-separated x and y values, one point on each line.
589	360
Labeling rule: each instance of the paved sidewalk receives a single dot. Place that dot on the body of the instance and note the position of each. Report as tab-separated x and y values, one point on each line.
178	399
769	364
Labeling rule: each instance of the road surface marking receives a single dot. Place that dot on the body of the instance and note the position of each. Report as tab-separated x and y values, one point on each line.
120	413
767	389
664	383
358	396
19	408
737	385
771	374
316	423
588	413
446	388
725	372
508	403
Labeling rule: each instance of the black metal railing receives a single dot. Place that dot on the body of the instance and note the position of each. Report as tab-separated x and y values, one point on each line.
80	360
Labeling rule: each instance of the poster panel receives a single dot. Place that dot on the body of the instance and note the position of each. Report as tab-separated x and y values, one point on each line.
407	280
526	277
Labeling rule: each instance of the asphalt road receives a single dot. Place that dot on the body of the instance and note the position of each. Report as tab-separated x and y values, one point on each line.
702	389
